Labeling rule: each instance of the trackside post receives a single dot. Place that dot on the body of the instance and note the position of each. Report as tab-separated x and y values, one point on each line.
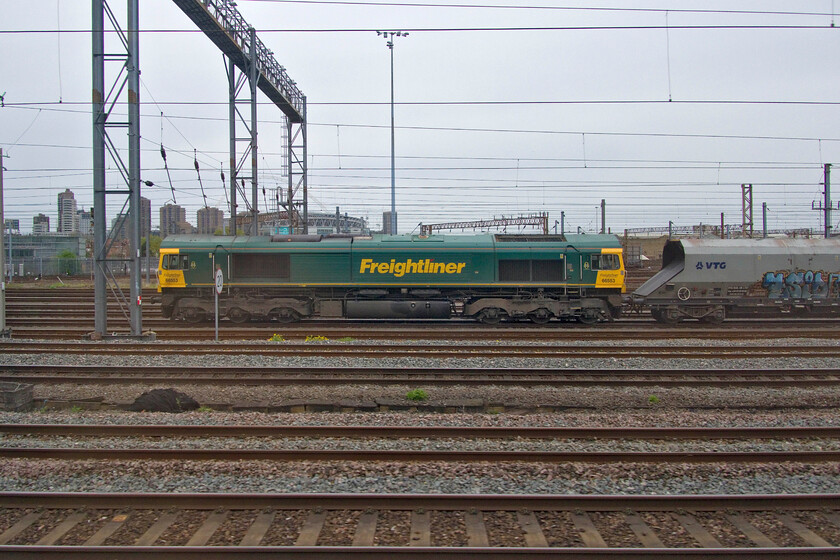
220	283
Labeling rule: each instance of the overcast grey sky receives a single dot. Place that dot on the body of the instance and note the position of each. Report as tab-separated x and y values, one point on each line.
577	115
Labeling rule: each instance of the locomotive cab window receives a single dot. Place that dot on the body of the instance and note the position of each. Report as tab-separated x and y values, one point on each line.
176	262
608	261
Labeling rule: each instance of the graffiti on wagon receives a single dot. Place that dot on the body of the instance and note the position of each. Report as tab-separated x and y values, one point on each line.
802	284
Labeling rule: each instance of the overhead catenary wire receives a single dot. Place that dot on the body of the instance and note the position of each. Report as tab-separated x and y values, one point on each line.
29	106
463	5
524	28
466	103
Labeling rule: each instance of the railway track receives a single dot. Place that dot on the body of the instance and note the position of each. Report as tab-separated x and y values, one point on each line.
68	314
72	329
97	525
249	375
425	432
86	443
419	456
490	349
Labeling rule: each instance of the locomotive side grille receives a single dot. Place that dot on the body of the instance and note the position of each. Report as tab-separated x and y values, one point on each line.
548	271
252	267
531	270
514	271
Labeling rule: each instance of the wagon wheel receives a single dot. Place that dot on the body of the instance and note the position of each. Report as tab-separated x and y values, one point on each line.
284	315
540	316
238	315
490	316
667	316
714	318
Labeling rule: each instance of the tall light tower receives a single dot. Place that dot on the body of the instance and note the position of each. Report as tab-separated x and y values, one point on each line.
389	41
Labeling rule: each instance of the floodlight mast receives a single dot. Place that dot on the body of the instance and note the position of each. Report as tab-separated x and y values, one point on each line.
389	42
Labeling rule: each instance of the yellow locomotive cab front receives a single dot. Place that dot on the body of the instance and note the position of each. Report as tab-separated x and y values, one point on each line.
611	273
170	272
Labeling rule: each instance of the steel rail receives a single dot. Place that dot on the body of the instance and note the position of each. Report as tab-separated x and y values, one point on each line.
298	376
35	327
425	432
416	456
432	350
436	502
58	319
265	331
401	553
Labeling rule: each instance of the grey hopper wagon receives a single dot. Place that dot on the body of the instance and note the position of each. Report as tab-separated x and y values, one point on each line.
710	279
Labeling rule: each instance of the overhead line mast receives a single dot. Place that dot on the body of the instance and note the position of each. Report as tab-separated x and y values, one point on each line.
127	81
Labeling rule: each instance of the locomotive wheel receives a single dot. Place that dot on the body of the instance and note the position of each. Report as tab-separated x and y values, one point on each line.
193	315
238	315
589	316
490	316
284	315
540	316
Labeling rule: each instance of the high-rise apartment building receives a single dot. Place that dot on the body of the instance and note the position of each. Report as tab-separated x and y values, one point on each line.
68	221
40	224
119	227
121	224
172	216
85	218
209	220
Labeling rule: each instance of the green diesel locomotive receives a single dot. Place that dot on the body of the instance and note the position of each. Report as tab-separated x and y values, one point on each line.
486	277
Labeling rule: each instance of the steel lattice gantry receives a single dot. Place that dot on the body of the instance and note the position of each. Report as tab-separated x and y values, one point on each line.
125	89
250	63
538	220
